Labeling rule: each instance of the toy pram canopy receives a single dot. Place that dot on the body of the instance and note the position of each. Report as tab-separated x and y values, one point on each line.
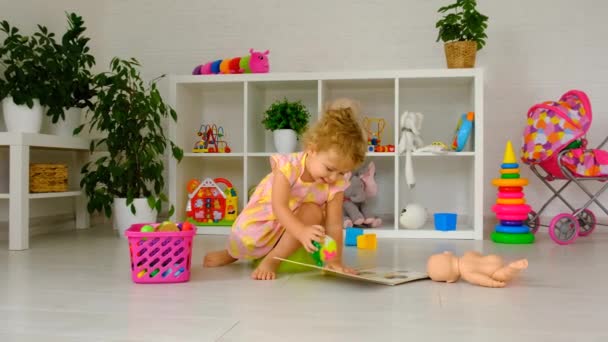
552	126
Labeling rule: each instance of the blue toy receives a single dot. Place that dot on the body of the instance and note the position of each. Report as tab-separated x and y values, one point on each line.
463	131
351	236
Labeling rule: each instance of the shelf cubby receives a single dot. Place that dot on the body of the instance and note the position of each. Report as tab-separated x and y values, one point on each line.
219	104
261	95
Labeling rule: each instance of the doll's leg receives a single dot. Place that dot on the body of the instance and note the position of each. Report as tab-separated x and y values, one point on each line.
309	214
483	280
511	270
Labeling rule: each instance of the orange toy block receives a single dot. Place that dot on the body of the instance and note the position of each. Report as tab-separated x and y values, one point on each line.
367	241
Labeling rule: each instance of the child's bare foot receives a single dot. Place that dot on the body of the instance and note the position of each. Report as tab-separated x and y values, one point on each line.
266	269
218	258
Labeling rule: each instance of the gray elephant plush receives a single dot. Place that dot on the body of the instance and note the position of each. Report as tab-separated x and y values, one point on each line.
356	207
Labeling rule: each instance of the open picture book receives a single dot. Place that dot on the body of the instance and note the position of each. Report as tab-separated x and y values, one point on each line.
379	275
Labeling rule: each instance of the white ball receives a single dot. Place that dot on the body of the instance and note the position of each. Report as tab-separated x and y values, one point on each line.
413	216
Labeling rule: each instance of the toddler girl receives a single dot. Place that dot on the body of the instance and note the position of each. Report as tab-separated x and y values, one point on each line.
301	199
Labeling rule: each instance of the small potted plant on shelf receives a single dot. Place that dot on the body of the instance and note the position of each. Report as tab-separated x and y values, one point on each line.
287	121
68	67
128	179
462	29
24	82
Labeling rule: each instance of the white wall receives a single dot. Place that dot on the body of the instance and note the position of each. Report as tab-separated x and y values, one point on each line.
536	49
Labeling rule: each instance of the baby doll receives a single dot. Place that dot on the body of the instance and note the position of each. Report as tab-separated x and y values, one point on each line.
473	267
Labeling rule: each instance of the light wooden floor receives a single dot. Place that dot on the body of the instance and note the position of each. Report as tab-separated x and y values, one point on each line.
75	286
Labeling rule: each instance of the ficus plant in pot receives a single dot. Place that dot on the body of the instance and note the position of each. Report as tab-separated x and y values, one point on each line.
287	120
68	64
24	82
462	29
127	180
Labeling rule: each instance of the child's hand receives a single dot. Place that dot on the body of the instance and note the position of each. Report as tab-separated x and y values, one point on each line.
310	234
337	266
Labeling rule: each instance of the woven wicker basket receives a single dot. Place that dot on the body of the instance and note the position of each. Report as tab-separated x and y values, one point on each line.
460	54
48	177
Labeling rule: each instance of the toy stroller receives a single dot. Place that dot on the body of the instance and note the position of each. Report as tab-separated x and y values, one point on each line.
555	147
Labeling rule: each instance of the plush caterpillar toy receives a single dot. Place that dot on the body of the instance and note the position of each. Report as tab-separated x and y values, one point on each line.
256	63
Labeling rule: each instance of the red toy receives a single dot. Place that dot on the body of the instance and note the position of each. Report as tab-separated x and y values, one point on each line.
209	205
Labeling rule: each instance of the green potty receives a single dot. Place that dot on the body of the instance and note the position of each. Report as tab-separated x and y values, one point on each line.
301	255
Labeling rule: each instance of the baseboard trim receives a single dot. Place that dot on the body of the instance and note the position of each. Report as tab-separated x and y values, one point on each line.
52	224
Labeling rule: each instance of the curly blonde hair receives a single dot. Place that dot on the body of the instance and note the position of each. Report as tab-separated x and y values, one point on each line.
339	129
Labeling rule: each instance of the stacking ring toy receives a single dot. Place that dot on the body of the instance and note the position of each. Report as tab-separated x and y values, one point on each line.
510	182
505	171
511	223
510	189
511	209
509	176
512	229
509	166
510	201
512	217
502	194
512	238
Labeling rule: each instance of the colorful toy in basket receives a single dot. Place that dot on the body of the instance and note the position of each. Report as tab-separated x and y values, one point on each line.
256	62
211	140
209	205
511	208
160	252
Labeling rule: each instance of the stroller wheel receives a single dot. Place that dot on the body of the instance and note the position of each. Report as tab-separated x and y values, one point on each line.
586	221
533	221
564	229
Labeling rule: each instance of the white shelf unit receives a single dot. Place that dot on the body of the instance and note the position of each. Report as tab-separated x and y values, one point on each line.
452	182
20	145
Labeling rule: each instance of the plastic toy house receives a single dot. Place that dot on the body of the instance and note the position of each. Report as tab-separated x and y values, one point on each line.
209	205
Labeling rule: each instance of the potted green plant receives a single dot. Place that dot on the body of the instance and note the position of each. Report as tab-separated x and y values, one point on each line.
68	65
24	82
128	180
462	29
287	120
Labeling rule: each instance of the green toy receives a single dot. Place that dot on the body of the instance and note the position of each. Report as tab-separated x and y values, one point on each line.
325	252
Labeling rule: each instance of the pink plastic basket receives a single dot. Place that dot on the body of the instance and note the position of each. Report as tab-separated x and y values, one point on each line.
159	257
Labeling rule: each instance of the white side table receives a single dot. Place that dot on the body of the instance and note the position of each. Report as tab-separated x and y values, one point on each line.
19	195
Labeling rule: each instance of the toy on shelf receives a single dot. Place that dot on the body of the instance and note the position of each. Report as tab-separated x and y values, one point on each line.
357	211
511	208
209	205
463	131
409	140
374	135
211	141
436	147
413	216
445	221
256	62
477	269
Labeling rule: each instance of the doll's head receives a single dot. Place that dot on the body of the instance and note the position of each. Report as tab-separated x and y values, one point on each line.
336	144
443	267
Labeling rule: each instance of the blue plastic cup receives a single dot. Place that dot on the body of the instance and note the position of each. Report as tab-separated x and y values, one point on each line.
445	221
